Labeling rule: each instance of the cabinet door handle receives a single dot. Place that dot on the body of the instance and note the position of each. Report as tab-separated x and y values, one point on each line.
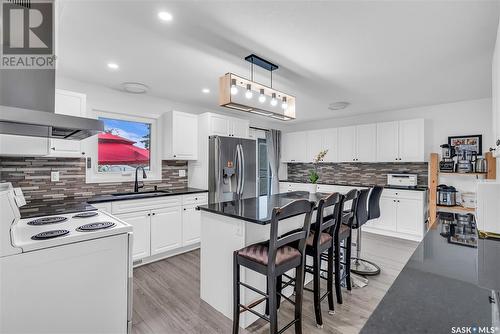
153	213
53	148
184	209
149	214
175	155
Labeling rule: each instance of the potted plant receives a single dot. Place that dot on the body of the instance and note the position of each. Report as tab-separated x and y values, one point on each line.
313	173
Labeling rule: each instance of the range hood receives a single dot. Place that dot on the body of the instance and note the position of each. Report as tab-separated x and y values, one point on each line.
27	107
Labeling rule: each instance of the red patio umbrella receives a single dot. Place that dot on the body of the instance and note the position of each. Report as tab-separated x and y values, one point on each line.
116	150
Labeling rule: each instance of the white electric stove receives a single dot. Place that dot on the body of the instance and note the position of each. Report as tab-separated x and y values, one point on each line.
65	273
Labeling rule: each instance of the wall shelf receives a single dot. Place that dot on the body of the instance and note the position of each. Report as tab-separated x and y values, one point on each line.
462	174
454	209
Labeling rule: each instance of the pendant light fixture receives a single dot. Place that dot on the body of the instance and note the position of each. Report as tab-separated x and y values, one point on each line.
230	84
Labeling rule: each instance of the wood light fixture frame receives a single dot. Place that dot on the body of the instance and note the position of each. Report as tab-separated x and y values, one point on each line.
226	99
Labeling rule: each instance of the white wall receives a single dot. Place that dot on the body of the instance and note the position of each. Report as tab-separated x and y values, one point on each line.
112	100
442	120
495	75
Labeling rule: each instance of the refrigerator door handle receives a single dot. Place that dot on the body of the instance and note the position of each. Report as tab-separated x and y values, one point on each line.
242	175
238	165
218	170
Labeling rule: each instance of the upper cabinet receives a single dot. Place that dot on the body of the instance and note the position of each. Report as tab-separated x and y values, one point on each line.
398	141
320	140
71	104
358	143
220	125
180	133
401	141
294	146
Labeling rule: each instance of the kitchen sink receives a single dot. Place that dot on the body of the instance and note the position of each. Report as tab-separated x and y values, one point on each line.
142	193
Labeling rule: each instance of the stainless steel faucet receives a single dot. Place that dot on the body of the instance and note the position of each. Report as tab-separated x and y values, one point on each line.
136	184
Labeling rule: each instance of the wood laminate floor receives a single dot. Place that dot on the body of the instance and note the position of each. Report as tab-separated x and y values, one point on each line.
167	295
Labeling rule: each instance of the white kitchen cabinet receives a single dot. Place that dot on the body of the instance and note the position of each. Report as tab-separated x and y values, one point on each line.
228	126
72	104
141	224
411	140
12	145
180	132
319	140
284	187
166	229
409	216
388	141
388	214
366	143
191	228
402	141
347	143
294	146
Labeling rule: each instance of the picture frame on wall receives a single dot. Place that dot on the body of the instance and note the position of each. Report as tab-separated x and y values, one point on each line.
469	143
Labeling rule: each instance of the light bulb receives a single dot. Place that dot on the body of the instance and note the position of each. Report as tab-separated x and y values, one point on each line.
274	102
284	104
262	97
234	89
248	93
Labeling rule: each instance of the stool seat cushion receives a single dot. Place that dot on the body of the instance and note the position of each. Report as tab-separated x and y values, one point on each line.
324	238
259	253
344	229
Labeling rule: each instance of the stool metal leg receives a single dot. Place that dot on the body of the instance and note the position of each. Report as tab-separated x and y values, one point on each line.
360	266
236	295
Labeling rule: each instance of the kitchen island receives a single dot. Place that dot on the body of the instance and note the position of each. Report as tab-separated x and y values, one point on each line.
449	285
230	226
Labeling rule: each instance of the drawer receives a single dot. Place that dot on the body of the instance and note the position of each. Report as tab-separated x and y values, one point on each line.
106	206
197	199
409	194
326	188
145	204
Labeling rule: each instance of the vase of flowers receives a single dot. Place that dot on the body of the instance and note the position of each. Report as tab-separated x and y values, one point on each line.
313	173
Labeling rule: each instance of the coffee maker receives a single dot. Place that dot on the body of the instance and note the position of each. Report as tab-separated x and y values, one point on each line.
447	164
465	161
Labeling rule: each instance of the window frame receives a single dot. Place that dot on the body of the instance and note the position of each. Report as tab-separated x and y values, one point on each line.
91	144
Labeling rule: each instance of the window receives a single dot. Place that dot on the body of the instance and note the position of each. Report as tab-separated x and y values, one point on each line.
126	143
124	146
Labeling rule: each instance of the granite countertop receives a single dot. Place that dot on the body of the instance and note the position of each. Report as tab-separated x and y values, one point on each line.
54	206
149	194
416	188
259	210
442	286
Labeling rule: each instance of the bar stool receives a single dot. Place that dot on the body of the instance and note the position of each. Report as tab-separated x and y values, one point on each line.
344	236
273	259
367	210
319	241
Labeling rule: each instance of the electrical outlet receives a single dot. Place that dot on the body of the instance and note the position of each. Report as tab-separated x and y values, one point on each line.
182	172
54	176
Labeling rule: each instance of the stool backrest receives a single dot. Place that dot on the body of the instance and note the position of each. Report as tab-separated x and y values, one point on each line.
361	208
328	222
295	208
349	213
374	203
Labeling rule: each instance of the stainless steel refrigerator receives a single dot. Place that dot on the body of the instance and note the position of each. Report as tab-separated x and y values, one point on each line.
232	169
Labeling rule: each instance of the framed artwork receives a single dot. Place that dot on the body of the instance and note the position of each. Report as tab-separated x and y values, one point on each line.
470	143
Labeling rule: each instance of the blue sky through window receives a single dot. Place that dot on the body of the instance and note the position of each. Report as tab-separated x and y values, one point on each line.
135	131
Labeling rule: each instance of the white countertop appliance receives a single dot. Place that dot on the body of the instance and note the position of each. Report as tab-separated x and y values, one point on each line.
70	273
402	180
488	208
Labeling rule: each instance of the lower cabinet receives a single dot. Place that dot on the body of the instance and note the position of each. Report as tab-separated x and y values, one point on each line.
141	223
166	230
191	228
160	225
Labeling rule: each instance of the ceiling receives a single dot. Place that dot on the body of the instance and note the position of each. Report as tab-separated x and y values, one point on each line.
376	55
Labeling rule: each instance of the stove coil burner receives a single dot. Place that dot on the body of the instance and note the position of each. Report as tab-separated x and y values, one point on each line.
95	226
49	234
47	220
86	214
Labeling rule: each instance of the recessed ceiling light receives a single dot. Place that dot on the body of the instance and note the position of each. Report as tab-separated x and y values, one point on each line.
165	16
134	87
338	105
205	90
113	66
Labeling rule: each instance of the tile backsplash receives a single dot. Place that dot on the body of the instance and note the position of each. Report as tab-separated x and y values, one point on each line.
33	176
357	173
